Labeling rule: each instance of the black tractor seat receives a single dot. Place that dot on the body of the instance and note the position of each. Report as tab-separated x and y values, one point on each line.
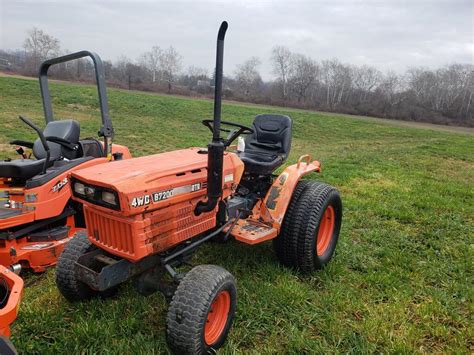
24	169
268	147
21	168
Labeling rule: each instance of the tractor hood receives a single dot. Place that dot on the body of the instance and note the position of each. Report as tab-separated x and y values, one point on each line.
139	182
124	174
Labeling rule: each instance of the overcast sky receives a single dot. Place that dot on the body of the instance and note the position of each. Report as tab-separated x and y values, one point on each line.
387	34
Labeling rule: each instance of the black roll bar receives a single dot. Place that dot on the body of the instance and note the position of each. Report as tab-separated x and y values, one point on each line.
106	130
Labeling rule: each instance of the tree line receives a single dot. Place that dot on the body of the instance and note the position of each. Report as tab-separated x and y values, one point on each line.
442	95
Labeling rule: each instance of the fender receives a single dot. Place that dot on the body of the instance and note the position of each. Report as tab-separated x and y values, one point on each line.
278	197
9	312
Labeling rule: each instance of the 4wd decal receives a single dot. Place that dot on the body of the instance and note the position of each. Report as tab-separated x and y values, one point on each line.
60	184
155	197
141	201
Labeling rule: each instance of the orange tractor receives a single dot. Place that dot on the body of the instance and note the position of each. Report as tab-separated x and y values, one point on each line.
37	216
146	216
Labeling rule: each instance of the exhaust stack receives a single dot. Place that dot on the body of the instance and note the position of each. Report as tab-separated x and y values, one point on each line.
215	149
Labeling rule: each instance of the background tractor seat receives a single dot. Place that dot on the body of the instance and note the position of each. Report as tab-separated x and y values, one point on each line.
27	168
268	147
68	130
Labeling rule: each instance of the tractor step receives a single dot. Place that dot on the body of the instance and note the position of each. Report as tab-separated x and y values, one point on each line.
250	231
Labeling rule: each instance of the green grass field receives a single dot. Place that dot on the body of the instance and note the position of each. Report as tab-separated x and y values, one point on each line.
402	278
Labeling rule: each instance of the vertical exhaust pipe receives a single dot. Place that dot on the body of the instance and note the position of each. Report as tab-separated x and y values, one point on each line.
215	149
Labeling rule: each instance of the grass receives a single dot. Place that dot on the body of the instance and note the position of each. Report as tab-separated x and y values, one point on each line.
401	280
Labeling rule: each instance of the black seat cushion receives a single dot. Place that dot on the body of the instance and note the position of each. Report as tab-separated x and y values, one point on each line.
27	168
268	147
65	129
21	168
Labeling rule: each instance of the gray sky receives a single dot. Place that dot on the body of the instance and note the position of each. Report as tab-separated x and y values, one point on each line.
386	34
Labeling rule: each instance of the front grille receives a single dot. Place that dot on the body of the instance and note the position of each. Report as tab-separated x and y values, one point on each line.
149	233
111	233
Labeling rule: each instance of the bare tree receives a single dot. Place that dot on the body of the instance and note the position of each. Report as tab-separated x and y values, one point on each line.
417	83
127	72
170	64
365	79
195	78
151	60
442	95
248	78
197	72
389	87
455	82
40	46
304	75
282	62
337	79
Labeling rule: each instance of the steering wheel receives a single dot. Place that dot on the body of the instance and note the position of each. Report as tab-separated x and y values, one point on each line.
233	134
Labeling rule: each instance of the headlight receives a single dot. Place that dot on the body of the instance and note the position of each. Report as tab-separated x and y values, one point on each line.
98	195
79	188
109	197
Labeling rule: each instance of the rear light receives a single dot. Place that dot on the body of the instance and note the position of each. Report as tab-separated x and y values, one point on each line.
97	195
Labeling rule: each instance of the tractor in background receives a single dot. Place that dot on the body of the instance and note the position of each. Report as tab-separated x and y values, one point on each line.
37	215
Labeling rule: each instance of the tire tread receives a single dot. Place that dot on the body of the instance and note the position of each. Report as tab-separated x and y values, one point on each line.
66	279
188	309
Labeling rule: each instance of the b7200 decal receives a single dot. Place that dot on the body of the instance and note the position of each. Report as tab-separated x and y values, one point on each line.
155	197
162	195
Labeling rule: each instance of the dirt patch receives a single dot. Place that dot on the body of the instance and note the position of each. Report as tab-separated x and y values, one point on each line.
7	151
5	147
79	107
374	182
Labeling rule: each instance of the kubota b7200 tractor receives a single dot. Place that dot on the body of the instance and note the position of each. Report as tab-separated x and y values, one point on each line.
37	216
146	216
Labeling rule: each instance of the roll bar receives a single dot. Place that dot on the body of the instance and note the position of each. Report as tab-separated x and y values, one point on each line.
106	130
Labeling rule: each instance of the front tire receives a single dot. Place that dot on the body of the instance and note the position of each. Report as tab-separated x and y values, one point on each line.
66	277
202	310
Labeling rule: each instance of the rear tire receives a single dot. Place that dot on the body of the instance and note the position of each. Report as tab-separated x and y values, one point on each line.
311	227
201	311
319	217
66	278
286	244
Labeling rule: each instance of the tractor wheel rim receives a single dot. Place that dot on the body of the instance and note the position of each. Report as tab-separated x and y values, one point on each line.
325	231
217	317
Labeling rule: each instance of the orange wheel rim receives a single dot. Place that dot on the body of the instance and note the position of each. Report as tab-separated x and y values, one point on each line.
326	228
217	317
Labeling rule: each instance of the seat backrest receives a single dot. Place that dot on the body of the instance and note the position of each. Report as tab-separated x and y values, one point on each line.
272	134
65	129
